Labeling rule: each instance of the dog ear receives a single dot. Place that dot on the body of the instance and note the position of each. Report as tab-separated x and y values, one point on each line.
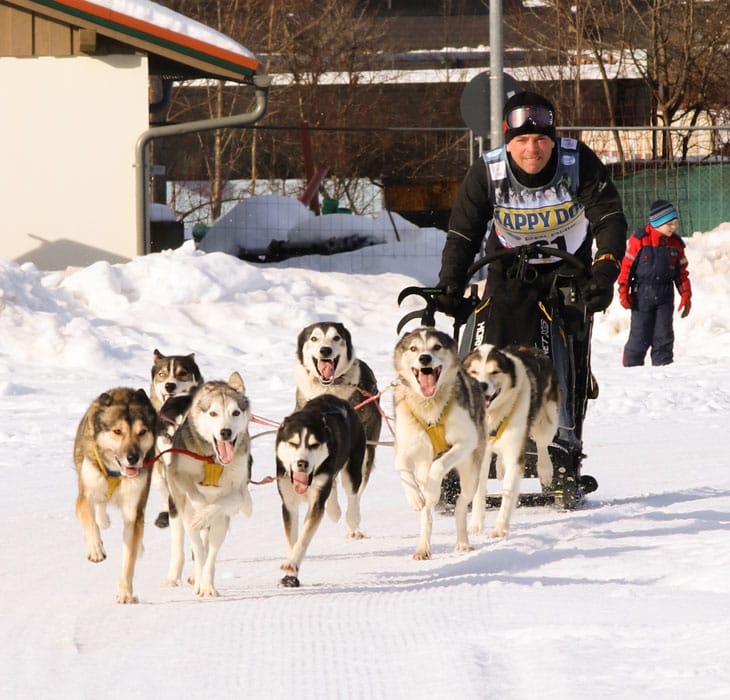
347	336
141	396
235	381
156	354
105	399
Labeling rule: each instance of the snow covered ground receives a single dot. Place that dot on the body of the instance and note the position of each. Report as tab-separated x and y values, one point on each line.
628	597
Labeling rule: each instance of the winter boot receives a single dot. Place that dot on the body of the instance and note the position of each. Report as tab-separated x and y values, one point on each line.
568	487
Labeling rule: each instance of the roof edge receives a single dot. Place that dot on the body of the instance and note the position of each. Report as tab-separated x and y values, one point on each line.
232	64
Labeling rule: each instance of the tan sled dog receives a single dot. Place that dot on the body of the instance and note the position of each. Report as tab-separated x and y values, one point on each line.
113	441
439	426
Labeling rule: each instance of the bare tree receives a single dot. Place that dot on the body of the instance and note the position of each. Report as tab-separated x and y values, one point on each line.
679	49
221	150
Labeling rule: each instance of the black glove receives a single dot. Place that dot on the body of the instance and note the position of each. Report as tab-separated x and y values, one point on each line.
453	303
597	290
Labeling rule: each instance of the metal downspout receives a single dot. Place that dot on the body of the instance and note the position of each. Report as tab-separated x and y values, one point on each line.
261	83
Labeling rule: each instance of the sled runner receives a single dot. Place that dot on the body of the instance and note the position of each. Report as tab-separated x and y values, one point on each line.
553	319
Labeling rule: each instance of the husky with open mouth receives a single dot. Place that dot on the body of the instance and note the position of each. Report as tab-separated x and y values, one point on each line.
521	399
114	441
208	476
327	364
316	446
439	426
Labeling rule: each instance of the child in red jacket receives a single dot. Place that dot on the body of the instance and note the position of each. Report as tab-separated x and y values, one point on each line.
654	264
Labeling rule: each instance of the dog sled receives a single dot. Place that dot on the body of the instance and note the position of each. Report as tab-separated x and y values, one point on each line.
562	329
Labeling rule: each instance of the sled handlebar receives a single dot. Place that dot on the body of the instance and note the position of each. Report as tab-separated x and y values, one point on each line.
576	268
524	253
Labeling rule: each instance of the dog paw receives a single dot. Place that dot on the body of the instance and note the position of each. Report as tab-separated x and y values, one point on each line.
126	598
289	567
416	500
171	583
95	552
206	592
202	518
498	532
422	554
356	534
463	547
475	528
163	519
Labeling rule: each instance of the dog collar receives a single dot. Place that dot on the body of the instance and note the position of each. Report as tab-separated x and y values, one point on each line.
113	479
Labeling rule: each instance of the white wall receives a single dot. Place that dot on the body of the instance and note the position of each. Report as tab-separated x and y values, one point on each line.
67	185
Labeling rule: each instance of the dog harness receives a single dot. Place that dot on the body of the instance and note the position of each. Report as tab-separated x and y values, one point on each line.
211	470
436	431
211	474
113	479
497	432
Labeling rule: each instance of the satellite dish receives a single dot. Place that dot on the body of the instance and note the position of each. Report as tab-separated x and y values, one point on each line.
475	101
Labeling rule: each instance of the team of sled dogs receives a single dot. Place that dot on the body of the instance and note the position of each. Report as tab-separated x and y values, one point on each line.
191	438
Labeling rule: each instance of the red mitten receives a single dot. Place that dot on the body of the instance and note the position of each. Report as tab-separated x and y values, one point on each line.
685	304
625	296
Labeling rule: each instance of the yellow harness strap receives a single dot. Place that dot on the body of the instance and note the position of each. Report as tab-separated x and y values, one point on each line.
497	433
112	482
211	470
212	474
436	431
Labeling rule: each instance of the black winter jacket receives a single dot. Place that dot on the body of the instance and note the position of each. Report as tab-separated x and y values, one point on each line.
472	212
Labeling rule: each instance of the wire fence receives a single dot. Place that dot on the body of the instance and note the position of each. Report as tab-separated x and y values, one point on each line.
694	175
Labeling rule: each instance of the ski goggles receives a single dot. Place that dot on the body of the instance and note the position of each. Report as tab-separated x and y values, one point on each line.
537	115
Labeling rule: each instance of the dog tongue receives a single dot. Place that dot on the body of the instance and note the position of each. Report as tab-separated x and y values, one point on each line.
225	451
300	481
326	369
427	383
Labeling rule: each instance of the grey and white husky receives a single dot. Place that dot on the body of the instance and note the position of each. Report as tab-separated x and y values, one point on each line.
439	426
208	476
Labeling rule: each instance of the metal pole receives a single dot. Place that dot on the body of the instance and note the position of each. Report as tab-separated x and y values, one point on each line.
261	82
496	70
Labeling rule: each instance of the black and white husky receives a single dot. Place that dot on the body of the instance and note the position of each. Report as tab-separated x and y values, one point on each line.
439	426
521	397
316	446
173	377
327	364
